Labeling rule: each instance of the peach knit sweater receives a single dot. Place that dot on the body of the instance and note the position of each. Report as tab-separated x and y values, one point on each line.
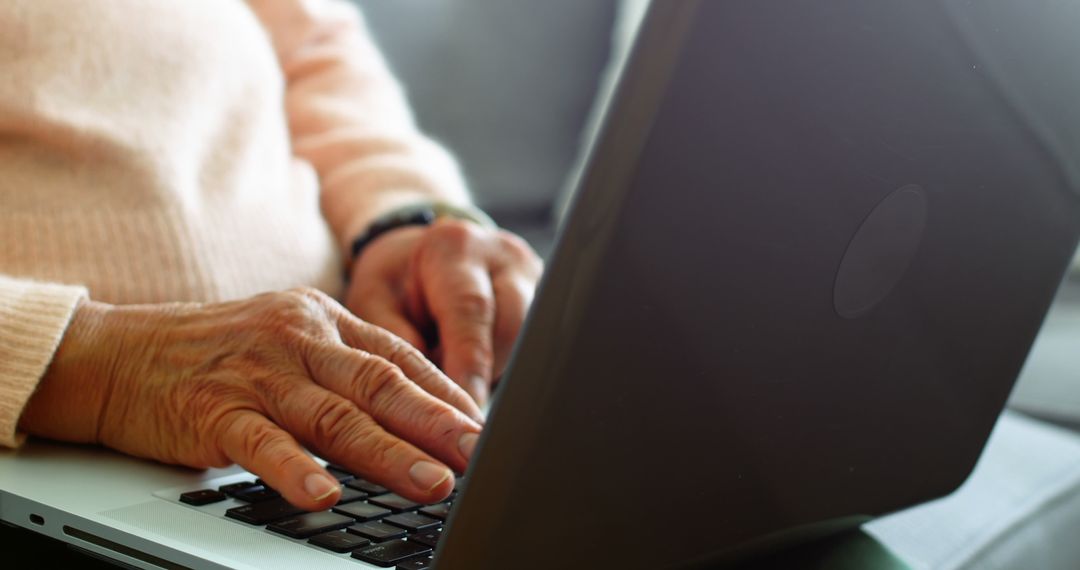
194	150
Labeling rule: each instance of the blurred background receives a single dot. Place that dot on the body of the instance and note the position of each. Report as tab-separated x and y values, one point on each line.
512	87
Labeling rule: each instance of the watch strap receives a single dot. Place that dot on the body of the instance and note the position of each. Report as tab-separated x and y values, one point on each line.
416	215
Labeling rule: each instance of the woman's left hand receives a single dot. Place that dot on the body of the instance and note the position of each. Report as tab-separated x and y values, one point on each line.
455	290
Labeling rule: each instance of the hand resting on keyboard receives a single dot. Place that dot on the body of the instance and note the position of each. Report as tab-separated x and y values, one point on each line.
255	382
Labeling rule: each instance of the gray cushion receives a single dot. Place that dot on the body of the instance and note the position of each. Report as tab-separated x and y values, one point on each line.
506	84
1049	386
1019	509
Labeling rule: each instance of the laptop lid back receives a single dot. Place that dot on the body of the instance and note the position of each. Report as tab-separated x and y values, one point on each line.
812	249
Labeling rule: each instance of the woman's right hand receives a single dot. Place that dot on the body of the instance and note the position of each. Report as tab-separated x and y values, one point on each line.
254	382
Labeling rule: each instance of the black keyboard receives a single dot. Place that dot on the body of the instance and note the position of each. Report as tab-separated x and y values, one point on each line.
369	522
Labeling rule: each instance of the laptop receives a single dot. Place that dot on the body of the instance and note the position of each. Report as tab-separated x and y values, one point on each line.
807	260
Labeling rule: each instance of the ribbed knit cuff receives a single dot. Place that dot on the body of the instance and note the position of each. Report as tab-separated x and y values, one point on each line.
33	318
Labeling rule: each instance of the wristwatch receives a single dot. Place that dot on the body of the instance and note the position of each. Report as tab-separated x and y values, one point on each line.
415	215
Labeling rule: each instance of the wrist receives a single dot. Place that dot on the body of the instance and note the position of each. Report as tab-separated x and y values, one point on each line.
71	395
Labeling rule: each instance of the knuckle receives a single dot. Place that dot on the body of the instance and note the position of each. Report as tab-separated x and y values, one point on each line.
295	315
475	306
441	421
516	246
394	348
309	293
479	353
260	439
271	448
379	381
332	422
284	458
299	302
456	234
471	336
386	451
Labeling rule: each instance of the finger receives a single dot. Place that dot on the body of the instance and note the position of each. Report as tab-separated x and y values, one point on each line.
378	305
461	301
379	388
256	444
423	372
337	430
513	295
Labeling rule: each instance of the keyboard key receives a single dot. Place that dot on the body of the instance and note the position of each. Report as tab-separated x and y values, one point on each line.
338	541
362	512
202	497
337	467
310	524
255	494
394	502
427	537
416	564
390	553
366	486
340	474
439	511
263	513
349	495
234	487
412	522
377	531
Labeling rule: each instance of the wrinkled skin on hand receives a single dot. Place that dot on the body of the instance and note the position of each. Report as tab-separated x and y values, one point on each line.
467	286
255	382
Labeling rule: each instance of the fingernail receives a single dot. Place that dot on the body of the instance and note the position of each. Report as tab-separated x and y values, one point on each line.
467	443
319	486
428	475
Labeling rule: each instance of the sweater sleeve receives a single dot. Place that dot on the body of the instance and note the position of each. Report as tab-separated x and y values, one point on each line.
33	317
349	117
